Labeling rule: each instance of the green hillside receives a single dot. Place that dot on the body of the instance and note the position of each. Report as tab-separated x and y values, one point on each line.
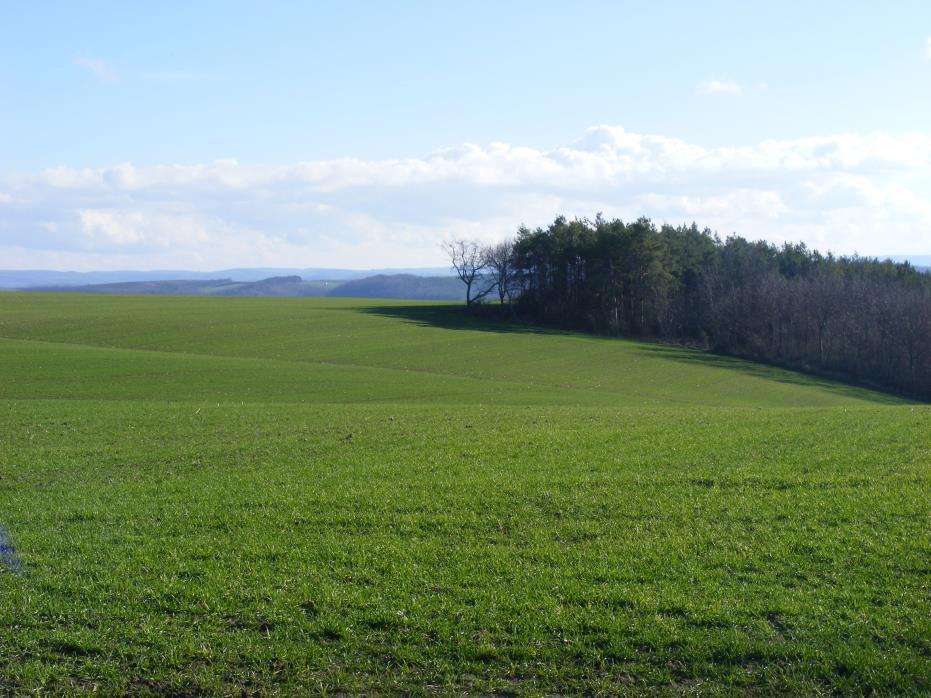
301	343
260	495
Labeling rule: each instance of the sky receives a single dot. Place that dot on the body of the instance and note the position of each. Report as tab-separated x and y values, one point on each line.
208	135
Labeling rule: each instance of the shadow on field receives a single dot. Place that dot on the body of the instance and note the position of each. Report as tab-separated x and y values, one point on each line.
498	320
758	369
457	317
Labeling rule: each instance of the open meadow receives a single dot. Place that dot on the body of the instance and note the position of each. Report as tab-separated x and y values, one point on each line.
273	495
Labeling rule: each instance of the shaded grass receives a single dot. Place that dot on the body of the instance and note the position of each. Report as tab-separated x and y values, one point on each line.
458	318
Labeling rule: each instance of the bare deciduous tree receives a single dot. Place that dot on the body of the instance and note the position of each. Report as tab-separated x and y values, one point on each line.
468	259
499	260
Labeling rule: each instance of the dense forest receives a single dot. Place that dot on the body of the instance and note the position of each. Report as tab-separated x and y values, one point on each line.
866	319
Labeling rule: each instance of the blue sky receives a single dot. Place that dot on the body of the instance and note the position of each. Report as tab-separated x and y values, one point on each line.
203	135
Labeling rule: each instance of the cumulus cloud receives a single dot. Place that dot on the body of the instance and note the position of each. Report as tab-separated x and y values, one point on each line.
846	193
928	46
117	227
719	87
98	67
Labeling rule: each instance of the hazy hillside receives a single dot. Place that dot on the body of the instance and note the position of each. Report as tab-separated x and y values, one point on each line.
402	286
29	278
396	286
275	286
177	287
278	286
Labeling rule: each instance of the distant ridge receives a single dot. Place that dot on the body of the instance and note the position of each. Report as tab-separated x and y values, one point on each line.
393	286
26	278
274	286
402	287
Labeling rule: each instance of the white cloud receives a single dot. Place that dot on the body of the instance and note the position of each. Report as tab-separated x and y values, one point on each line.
101	69
928	46
719	87
118	227
848	192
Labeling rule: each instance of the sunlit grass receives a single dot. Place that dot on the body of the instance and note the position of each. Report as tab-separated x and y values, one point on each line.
227	496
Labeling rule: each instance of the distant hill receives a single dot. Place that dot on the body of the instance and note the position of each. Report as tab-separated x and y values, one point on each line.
275	286
175	287
27	278
394	286
403	286
278	286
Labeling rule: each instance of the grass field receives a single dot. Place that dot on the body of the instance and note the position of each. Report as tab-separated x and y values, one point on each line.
228	496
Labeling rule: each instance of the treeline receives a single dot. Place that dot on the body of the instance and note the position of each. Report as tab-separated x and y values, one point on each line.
865	318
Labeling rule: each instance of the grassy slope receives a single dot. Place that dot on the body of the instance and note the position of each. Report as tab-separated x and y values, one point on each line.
430	339
270	495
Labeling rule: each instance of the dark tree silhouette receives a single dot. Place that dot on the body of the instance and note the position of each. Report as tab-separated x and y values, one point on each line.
499	263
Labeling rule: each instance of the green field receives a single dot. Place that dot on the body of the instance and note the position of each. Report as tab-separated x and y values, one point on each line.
252	495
